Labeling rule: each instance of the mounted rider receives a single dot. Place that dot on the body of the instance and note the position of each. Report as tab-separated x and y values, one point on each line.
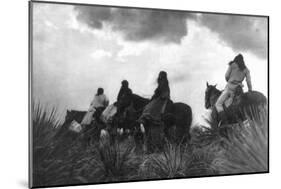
235	74
155	109
98	104
124	92
124	89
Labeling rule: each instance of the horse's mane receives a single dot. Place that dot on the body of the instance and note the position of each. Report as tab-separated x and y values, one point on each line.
216	91
138	101
139	98
75	115
212	95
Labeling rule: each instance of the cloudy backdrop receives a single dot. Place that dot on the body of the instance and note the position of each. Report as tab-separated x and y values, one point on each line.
77	49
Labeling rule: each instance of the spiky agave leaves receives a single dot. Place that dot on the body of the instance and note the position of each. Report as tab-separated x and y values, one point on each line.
170	163
206	145
201	160
75	167
44	124
50	166
178	161
115	162
247	149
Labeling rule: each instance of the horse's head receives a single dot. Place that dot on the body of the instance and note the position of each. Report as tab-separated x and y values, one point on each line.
69	116
74	115
209	92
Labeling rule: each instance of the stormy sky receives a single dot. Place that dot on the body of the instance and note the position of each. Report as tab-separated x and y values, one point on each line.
77	49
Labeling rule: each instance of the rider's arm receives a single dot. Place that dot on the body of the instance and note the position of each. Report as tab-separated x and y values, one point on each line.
119	95
106	101
248	80
228	72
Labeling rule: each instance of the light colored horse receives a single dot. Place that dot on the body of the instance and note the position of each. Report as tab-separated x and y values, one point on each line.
108	113
107	117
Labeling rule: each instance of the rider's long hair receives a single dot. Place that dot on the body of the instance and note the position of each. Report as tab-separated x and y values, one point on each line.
162	77
99	91
239	60
125	84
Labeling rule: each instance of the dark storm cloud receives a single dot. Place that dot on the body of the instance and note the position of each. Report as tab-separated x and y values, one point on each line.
242	33
137	24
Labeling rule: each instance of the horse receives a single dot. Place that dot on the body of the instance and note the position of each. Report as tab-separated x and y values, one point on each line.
86	132
71	115
176	124
174	127
129	109
240	109
108	114
108	117
120	117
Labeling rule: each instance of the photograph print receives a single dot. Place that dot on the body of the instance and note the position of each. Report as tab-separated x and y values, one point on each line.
121	94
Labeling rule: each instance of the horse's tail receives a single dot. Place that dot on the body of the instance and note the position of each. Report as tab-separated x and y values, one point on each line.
254	105
189	120
190	116
254	99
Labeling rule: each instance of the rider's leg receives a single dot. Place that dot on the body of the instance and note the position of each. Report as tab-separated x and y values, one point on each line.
223	97
229	100
219	105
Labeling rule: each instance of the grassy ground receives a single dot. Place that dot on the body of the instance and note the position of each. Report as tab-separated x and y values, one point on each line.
64	160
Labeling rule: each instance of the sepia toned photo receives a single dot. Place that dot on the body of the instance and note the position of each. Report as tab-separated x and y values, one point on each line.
121	94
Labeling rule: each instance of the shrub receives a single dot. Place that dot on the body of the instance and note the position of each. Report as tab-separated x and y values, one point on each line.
168	164
44	124
247	146
115	162
241	148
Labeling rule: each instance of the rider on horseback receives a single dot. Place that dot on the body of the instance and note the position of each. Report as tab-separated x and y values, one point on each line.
157	105
236	73
124	91
99	103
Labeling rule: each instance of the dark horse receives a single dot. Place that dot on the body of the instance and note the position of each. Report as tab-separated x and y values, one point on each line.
88	132
72	115
129	109
175	125
241	107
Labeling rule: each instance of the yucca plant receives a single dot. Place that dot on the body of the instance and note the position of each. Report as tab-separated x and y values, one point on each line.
73	168
115	161
44	124
169	163
177	161
50	167
201	160
247	147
